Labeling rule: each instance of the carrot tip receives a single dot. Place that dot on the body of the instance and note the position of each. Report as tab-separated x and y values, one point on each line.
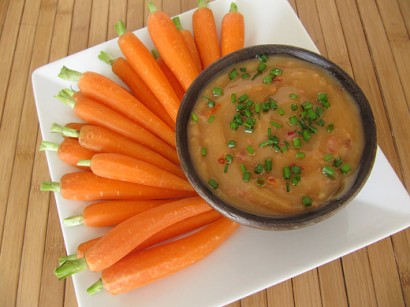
70	267
69	74
233	8
106	57
95	287
73	221
66	96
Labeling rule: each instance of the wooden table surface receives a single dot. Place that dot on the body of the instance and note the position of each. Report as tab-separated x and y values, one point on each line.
368	38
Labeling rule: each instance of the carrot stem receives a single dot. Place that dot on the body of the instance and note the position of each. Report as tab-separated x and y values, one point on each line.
50	186
69	74
73	221
106	57
63	259
66	96
95	287
151	7
65	131
84	163
70	267
48	146
202	3
120	28
233	8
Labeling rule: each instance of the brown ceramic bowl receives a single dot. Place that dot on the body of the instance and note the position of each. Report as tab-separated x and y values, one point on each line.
285	222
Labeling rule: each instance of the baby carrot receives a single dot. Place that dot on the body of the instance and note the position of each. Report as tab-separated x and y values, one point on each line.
128	169
147	266
189	42
169	74
141	60
232	31
98	114
87	186
74	126
205	34
123	238
68	151
180	228
116	97
99	139
111	213
171	46
124	71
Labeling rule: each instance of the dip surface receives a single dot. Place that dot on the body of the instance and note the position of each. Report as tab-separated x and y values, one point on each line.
275	136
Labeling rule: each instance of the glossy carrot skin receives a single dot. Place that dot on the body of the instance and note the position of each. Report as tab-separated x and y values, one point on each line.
87	186
113	212
141	60
74	125
141	268
123	238
98	114
128	169
99	139
124	71
191	45
232	31
85	246
206	36
172	48
70	151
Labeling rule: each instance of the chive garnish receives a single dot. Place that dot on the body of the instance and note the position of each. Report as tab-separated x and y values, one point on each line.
297	142
233	74
194	117
204	151
293	120
243	168
275	71
233	97
330	128
268	165
211	118
345	168
267	79
259	169
250	149
276	125
307	201
328	171
293	107
293	96
212	182
231	143
295	180
300	155
306	135
217	91
243	98
337	162
286	172
246	176
295	169
328	157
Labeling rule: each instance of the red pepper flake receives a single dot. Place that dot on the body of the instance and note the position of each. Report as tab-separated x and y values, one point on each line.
221	160
273	181
278	79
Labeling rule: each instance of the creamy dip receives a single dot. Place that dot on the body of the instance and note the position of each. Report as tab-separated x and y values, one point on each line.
276	136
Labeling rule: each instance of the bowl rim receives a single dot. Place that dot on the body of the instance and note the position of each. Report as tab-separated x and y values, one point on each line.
286	222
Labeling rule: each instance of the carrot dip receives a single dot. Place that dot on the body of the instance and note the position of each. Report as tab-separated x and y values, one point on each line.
276	136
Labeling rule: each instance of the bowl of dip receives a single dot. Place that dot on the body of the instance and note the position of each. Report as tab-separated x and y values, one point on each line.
276	137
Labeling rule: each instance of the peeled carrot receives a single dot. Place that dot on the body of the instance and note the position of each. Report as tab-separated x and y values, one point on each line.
205	34
141	268
189	42
141	60
74	126
99	139
123	238
87	186
111	213
128	169
232	31
171	46
116	97
172	231
124	71
68	151
169	74
98	114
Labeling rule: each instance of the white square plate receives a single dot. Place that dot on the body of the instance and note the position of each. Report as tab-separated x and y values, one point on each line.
252	259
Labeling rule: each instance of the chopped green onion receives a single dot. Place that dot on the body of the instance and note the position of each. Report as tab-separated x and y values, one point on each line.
243	98
297	143
337	162
194	117
295	180
293	107
262	57
242	69
286	172
293	96
211	118
246	176
307	201
306	135
268	165
231	143
328	171
233	97
212	182
281	111
319	111
243	168
250	149
307	105
287	187
328	157
245	76
217	91
226	166
261	67
300	155
233	74
320	122
267	79
257	108
228	158
259	169
276	125
275	71
330	128
345	168
204	151
295	169
293	120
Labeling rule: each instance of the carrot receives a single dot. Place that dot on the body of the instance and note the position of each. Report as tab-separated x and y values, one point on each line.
123	238
232	31
141	60
169	74
68	151
99	139
172	231
205	34
116	97
74	126
124	71
189	42
98	114
171	46
111	213
141	268
87	186
128	169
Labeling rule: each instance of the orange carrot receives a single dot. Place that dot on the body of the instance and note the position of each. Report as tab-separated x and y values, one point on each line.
169	74
128	169
99	139
87	186
98	114
68	151
74	126
124	71
232	31
189	42
180	228
141	60
116	97
111	213
205	34
171	46
141	268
